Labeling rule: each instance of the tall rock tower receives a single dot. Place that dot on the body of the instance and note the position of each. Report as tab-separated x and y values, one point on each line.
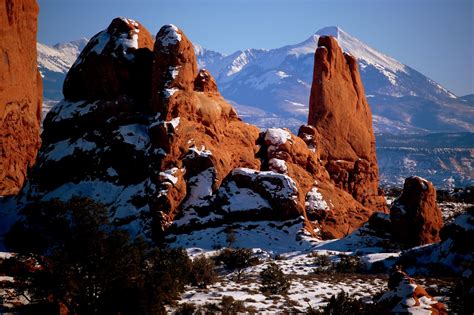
339	111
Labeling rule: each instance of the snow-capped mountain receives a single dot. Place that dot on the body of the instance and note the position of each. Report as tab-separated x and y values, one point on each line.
278	81
54	63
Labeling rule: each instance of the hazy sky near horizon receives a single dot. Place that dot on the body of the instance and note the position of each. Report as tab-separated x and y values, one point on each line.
435	37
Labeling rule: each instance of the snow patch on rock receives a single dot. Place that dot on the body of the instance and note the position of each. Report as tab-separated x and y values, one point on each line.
136	135
171	37
277	136
315	201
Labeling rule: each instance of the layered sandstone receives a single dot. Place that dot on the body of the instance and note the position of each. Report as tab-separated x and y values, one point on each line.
20	93
415	216
339	111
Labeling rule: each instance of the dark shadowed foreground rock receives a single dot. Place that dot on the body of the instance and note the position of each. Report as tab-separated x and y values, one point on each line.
415	216
116	61
20	93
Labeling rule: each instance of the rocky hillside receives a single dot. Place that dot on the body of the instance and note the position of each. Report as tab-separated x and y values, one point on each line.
20	93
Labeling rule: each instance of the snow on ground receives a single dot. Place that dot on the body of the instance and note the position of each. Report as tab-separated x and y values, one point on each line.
269	78
296	253
451	210
287	245
200	188
314	290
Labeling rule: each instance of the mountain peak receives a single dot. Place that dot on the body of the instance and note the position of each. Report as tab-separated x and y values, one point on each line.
333	31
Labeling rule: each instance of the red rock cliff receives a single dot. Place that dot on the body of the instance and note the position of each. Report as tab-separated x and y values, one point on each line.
340	112
20	93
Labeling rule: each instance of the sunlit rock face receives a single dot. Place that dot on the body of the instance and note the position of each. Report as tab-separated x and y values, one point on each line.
20	93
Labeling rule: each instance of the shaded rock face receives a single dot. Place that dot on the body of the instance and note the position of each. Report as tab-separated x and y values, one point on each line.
116	61
177	158
415	216
340	113
20	93
406	297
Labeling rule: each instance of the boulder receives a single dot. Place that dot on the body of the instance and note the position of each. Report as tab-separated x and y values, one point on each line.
405	296
20	93
339	111
415	216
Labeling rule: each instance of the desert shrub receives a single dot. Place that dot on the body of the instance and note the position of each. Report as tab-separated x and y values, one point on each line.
231	306
203	272
343	304
274	281
227	306
236	259
166	272
348	264
322	262
186	309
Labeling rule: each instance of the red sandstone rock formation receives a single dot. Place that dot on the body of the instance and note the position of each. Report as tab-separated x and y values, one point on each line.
20	93
406	297
415	216
175	154
340	113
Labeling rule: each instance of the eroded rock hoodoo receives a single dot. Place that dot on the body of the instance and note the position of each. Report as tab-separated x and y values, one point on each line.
341	115
20	93
415	216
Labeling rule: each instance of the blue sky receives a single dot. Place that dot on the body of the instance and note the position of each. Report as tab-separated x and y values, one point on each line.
436	37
